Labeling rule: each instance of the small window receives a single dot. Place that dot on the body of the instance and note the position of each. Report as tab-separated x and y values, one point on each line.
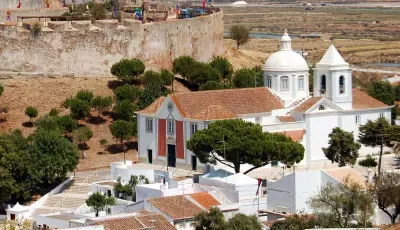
323	84
321	107
341	84
284	83
301	83
149	125
381	115
171	127
269	82
182	225
358	120
193	128
258	120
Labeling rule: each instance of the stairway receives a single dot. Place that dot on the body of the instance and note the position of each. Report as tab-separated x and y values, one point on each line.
73	194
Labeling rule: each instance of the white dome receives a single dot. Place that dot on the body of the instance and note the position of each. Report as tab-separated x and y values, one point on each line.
286	60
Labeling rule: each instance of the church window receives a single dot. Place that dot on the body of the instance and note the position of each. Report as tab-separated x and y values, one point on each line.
301	83
149	125
323	84
381	115
284	83
358	120
171	127
269	82
321	107
193	128
341	84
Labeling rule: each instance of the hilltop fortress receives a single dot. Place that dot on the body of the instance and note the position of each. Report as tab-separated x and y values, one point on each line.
80	48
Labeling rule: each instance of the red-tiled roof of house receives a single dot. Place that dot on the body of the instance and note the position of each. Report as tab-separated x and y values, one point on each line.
155	220
123	223
307	104
286	119
205	199
221	104
177	207
153	107
341	173
362	100
143	220
296	135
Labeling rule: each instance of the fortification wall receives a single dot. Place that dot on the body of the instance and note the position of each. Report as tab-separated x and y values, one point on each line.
25	4
90	50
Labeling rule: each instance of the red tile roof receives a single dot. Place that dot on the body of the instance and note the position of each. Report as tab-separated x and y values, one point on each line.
177	207
143	220
296	135
205	199
222	104
307	104
286	119
153	107
362	100
157	221
123	223
341	173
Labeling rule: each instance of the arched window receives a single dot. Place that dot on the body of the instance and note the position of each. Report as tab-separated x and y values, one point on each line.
285	83
269	82
321	107
300	83
323	84
341	84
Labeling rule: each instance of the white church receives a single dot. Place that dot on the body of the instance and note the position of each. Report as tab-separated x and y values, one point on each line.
283	105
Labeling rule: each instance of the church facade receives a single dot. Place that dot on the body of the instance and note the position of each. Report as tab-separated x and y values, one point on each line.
283	105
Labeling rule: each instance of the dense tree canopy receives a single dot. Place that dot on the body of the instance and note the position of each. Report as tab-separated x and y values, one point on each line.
101	104
211	85
382	91
84	95
243	222
235	142
125	110
368	162
224	67
240	34
342	149
183	65
296	222
245	78
127	92
79	109
128	70
202	72
167	77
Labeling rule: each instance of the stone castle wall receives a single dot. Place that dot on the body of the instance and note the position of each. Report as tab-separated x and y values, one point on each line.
82	49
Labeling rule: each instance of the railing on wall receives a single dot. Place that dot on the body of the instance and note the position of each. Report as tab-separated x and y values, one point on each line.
283	127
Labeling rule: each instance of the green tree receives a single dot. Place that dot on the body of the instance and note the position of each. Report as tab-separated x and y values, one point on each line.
99	202
127	92
183	65
376	133
153	80
54	112
67	124
243	222
1	90
84	95
210	220
101	104
167	76
368	162
47	123
240	34
123	131
125	110
382	91
211	85
386	194
148	96
81	136
201	73
245	78
343	149
295	222
235	142
343	204
31	112
224	67
128	70
98	11
396	92
79	109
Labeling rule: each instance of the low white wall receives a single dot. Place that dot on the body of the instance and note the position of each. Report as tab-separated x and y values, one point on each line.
51	222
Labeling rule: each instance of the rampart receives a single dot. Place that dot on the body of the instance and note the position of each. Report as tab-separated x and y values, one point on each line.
81	48
27	4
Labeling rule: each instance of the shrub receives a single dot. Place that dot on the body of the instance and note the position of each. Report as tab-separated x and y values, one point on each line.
47	123
84	95
67	102
128	69
201	73
167	77
79	109
152	80
183	65
224	67
67	123
36	30
211	85
82	135
53	112
125	110
1	90
240	34
98	11
101	103
245	78
31	112
368	162
127	92
103	143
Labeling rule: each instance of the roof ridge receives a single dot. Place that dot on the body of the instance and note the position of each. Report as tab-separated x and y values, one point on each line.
219	90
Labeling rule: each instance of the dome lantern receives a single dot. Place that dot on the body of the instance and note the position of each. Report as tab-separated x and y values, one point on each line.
286	41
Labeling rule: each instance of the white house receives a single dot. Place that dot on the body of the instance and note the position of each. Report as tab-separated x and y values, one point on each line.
283	105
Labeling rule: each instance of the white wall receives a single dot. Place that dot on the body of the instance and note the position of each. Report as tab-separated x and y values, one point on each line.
51	223
282	193
307	185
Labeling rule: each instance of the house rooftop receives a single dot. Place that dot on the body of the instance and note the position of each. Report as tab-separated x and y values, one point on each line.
221	104
361	100
205	199
177	207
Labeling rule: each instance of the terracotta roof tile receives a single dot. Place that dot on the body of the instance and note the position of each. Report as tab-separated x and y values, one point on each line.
296	135
157	221
222	104
286	119
143	220
362	100
205	199
341	173
307	104
123	223
173	206
153	107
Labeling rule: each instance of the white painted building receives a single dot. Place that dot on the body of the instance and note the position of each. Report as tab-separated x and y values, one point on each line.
283	105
